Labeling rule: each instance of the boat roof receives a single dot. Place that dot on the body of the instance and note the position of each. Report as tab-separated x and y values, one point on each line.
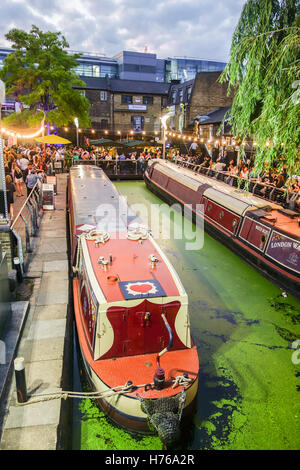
129	275
232	198
222	188
98	206
97	202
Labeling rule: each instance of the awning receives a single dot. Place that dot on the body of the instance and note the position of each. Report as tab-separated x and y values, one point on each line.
136	143
53	139
102	142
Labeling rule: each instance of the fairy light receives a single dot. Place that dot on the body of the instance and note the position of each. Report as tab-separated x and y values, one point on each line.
66	129
23	136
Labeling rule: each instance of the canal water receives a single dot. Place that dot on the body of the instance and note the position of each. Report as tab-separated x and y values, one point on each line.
244	329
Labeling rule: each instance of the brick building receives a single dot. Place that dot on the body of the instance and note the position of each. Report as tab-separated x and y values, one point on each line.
195	97
125	105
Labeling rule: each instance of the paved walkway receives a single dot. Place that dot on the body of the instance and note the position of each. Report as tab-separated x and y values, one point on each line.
46	338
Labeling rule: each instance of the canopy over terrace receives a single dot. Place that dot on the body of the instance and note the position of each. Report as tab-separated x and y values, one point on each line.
137	143
102	142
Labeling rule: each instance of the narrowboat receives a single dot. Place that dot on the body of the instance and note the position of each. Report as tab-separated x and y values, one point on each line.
263	233
131	312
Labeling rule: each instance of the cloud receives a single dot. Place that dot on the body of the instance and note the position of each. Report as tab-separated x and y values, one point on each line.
201	28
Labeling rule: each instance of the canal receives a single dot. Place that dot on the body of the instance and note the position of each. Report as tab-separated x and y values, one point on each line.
244	328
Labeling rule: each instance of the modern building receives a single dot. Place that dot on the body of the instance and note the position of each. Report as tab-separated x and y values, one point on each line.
145	66
131	91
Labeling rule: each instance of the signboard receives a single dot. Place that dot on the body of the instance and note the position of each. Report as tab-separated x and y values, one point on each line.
137	107
52	180
285	251
48	197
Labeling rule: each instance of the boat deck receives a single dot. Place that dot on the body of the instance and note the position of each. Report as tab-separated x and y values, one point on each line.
131	264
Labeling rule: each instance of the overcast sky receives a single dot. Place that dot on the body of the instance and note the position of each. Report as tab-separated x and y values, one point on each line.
193	28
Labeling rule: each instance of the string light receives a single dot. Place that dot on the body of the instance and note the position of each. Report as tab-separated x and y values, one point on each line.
22	136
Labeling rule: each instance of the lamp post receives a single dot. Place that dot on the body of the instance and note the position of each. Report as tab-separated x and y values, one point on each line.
3	195
164	126
76	124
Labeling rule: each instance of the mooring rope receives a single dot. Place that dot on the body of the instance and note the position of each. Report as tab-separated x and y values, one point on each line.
127	388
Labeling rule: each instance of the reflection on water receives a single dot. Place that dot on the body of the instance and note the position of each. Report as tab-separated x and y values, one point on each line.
248	394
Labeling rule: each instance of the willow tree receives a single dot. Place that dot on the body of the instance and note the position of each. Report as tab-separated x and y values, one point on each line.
40	73
264	72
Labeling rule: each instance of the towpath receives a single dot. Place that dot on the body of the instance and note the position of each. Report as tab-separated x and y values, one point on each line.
45	341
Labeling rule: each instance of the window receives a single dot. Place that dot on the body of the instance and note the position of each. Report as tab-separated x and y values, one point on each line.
147	99
82	92
181	95
126	99
88	70
103	95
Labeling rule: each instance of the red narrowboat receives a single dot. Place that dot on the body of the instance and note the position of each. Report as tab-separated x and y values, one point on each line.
131	312
261	232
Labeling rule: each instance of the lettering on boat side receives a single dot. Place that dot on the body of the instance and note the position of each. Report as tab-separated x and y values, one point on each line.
151	459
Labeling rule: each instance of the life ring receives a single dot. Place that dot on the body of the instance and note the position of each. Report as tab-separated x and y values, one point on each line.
98	236
138	234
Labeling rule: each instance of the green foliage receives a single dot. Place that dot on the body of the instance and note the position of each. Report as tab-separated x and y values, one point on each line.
264	72
40	73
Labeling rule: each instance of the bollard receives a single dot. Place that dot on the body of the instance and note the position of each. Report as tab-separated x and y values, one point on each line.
18	267
20	380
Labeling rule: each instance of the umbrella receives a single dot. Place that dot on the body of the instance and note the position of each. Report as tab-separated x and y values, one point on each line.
52	139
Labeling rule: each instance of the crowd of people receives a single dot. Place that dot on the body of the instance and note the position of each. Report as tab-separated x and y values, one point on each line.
24	165
245	170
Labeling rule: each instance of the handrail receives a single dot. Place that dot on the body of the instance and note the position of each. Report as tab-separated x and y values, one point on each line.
25	202
224	175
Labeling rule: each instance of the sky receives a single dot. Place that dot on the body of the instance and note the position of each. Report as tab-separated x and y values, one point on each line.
191	28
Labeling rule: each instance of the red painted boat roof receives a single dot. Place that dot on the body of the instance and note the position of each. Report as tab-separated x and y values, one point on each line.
284	223
130	262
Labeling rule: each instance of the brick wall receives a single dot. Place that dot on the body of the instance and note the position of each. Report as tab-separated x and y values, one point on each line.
208	94
122	115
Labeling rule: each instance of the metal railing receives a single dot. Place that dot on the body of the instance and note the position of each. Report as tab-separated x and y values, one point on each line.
113	168
262	190
25	226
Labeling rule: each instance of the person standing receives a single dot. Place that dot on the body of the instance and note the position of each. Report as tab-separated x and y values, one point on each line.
10	189
18	178
31	180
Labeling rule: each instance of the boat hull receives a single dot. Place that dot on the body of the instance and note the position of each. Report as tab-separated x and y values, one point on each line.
268	269
125	409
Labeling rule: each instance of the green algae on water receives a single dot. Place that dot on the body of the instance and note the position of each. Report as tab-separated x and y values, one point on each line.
97	433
